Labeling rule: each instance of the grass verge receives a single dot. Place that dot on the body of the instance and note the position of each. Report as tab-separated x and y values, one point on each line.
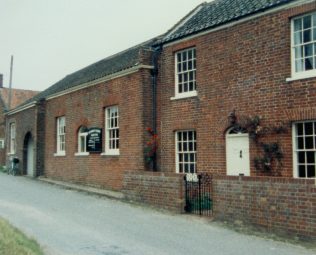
14	242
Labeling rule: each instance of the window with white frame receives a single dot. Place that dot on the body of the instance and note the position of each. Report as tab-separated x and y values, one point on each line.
304	149
185	62
82	140
61	135
112	131
12	138
186	151
1	143
304	45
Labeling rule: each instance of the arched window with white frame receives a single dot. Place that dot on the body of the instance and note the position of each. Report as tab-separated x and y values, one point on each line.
82	141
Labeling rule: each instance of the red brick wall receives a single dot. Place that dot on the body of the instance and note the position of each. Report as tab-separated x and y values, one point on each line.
25	122
242	68
157	189
282	205
86	107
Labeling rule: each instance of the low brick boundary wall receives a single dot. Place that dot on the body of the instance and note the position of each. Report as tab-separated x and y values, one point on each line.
162	190
282	205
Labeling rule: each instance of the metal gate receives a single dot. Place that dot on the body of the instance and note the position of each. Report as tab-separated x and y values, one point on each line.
198	195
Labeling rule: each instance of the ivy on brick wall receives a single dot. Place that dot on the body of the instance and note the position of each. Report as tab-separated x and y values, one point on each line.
271	153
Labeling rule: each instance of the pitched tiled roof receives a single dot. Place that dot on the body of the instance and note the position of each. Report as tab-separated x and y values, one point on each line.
18	96
113	64
219	12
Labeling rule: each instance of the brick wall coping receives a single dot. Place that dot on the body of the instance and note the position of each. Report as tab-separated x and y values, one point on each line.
266	179
154	174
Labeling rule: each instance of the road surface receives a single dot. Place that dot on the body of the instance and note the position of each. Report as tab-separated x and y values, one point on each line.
67	222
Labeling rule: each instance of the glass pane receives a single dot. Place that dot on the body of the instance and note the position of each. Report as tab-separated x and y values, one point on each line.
179	68
191	76
190	135
297	24
179	57
299	128
191	86
185	87
314	34
298	52
184	66
185	136
184	56
308	64
190	54
297	38
299	65
308	49
180	89
307	21
314	19
186	168
180	158
301	157
308	128
185	77
190	65
192	168
185	147
310	155
194	146
307	36
300	144
181	168
301	171
179	136
309	142
194	64
311	171
180	146
192	157
117	144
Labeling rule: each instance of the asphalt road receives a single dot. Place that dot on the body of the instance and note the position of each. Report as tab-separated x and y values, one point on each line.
73	223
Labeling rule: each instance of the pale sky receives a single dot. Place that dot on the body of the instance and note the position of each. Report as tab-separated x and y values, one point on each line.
52	38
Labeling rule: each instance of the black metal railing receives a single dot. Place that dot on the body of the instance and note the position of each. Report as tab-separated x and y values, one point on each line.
198	195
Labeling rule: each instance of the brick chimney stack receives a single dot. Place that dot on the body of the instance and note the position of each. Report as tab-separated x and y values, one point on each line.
1	80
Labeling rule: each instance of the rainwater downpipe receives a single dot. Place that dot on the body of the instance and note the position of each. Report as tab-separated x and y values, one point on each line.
154	74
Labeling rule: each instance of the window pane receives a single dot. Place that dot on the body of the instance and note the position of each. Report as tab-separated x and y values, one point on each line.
301	157
297	38
184	66
300	144
299	128
298	52
309	142
307	21
190	55
185	136
308	49
308	63
311	171
179	57
186	168
310	157
192	168
299	65
191	86
308	128
180	158
314	34
297	24
301	171
307	36
184	56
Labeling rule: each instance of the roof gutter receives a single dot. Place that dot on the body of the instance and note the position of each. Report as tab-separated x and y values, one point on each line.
233	23
20	109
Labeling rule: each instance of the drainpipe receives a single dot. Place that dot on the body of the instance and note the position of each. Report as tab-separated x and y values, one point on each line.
154	74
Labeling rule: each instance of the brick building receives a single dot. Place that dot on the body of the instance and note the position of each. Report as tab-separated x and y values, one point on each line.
229	90
18	96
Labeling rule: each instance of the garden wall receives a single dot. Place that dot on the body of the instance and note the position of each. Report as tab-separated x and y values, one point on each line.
162	190
282	205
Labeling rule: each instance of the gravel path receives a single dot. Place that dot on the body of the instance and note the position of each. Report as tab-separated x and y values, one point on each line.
67	222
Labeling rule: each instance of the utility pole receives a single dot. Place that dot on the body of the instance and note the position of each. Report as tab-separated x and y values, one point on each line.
10	83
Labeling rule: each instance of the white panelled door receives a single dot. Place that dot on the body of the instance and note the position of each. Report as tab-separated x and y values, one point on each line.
237	154
30	157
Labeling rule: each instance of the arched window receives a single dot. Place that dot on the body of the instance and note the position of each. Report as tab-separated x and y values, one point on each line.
82	141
